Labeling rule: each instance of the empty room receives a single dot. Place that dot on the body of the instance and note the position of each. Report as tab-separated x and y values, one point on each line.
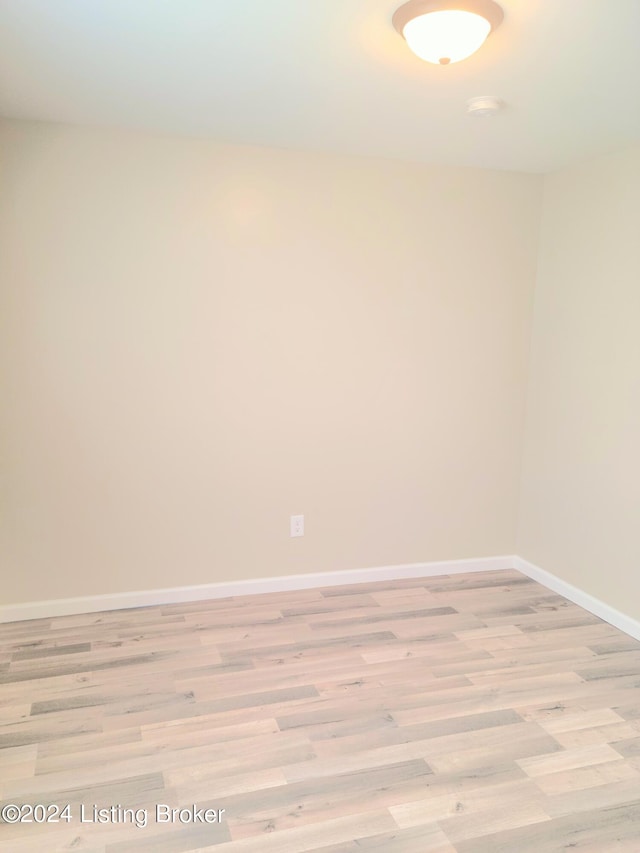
319	424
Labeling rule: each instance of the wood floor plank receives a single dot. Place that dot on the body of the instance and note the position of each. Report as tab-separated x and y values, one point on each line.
600	830
451	804
422	839
568	759
312	801
574	782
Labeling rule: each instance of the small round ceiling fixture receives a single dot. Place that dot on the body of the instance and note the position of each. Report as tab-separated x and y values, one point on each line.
446	31
484	106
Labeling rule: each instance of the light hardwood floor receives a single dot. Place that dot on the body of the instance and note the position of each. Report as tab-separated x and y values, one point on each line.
461	714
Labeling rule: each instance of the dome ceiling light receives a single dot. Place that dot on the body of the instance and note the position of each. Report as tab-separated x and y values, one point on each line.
445	31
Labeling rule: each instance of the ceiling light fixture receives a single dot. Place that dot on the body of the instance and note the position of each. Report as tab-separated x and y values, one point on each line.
445	31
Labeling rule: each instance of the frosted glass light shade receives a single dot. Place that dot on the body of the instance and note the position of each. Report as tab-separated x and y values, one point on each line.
445	31
444	37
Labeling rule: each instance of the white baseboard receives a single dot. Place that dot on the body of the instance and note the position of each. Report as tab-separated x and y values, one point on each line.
583	599
178	594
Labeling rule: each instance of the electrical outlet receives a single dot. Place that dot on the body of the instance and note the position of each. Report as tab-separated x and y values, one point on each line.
297	525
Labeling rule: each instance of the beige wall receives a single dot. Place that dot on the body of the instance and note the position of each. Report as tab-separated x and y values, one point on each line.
580	515
199	340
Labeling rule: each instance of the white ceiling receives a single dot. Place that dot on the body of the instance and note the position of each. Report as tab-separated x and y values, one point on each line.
329	74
